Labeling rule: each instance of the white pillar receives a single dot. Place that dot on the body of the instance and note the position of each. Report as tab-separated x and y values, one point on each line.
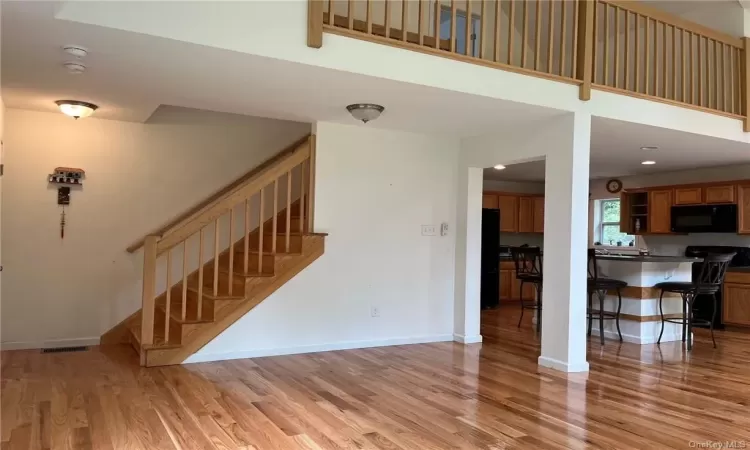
468	255
565	247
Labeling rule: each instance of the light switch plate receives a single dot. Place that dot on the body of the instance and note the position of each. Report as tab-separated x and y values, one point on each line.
429	230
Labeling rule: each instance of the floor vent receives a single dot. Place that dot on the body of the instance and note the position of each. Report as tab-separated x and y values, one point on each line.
65	349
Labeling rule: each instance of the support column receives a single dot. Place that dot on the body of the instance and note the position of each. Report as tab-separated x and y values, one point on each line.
468	255
565	247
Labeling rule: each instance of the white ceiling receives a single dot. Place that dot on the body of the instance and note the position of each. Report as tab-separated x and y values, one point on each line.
131	74
616	152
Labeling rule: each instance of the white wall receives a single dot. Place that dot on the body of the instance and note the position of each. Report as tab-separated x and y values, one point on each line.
138	176
675	245
375	188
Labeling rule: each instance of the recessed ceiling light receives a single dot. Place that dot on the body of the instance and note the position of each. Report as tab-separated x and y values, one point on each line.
75	108
649	148
499	167
648	163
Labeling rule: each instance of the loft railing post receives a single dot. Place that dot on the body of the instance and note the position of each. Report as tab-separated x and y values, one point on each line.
148	295
315	23
586	45
745	81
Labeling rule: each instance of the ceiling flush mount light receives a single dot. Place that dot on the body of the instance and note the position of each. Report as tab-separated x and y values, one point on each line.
649	148
365	111
76	109
648	163
499	167
74	68
76	51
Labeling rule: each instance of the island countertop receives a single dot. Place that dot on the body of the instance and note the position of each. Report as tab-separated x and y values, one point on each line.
648	258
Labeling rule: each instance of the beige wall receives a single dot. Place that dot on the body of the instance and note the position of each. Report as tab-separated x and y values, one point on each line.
138	176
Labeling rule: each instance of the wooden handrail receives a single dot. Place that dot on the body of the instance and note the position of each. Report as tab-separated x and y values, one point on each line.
219	208
217	196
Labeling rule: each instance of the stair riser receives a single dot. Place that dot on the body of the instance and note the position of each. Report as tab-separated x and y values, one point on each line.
252	263
295	244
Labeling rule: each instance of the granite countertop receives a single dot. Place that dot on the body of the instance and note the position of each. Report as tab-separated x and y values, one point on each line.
648	258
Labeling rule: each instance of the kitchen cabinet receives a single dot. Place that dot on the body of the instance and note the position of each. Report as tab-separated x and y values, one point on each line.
660	211
525	215
743	209
719	194
508	205
538	215
688	196
489	201
736	304
506	283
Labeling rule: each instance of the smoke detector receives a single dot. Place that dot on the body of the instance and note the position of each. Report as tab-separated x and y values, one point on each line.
74	68
76	51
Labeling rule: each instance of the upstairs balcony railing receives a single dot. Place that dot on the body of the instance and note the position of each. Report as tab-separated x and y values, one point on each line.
617	46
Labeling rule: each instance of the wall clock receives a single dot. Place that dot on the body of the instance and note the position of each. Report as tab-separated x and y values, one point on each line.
614	186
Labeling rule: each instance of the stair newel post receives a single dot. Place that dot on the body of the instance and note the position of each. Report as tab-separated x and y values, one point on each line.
288	209
168	304
216	258
261	219
274	219
148	298
231	251
200	274
302	177
311	188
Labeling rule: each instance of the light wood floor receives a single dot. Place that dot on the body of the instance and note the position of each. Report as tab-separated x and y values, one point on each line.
434	396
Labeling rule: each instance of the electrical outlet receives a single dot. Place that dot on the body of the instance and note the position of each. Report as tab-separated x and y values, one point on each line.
443	229
374	311
429	230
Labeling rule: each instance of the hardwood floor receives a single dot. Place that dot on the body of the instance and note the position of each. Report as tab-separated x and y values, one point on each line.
433	396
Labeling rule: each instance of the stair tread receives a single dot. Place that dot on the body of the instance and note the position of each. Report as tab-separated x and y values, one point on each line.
208	292
237	273
175	312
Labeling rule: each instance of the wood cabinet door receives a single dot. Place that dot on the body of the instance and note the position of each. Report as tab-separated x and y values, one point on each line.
489	201
688	196
508	205
659	211
506	284
719	194
525	215
538	215
626	224
743	209
736	304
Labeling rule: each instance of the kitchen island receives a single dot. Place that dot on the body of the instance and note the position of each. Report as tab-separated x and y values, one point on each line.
640	321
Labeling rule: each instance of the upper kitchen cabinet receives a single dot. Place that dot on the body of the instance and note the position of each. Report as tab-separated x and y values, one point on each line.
660	211
743	209
720	194
538	215
688	196
508	205
489	201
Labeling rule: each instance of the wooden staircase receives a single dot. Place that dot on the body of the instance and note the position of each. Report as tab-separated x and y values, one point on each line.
201	304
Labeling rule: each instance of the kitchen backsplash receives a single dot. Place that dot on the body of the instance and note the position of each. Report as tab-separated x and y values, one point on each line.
675	245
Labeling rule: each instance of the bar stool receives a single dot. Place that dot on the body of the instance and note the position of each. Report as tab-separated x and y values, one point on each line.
528	262
711	277
599	285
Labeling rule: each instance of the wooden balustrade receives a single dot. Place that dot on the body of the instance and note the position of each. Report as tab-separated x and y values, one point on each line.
220	220
643	51
620	46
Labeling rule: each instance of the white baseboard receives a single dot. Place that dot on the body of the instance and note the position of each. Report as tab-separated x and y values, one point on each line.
467	339
55	343
346	345
563	366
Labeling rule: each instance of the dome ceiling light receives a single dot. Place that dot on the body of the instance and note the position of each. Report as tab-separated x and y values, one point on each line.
365	111
76	109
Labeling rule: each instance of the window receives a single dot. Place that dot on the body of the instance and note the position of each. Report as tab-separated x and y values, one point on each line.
607	225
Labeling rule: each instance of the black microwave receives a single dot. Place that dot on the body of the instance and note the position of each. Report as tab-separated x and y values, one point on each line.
704	219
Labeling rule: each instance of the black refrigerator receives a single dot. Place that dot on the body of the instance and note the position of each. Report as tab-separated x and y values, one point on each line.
489	293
